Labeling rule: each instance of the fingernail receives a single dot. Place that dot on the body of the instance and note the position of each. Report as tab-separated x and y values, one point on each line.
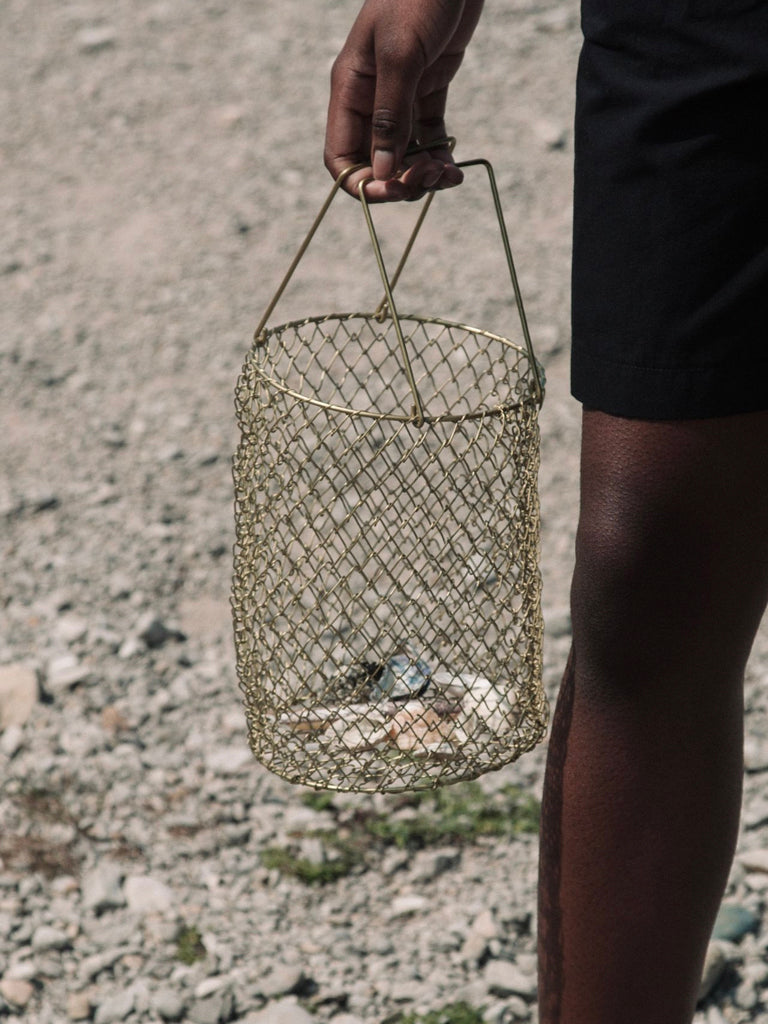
432	178
452	175
383	164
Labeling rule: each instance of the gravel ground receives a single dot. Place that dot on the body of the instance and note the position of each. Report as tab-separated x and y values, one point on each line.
160	161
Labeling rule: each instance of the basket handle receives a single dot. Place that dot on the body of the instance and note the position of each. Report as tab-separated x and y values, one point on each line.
387	305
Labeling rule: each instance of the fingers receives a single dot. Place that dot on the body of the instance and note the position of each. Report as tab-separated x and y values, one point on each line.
388	90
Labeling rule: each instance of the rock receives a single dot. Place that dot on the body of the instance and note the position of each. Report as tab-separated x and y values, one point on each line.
394	860
287	1011
46	937
146	895
715	964
115	1008
168	1004
63	673
733	922
428	864
402	906
79	1006
216	1008
755	754
19	693
553	135
11	740
16	992
71	628
312	849
285	980
228	760
746	995
503	978
102	888
754	860
347	1018
155	633
557	622
474	950
209	985
92	40
92	966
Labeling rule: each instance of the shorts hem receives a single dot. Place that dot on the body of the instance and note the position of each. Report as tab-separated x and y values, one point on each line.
667	393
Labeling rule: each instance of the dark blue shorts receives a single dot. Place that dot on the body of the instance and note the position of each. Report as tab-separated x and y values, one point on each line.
670	271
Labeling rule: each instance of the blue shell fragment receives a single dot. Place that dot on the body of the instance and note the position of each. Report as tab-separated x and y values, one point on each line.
405	676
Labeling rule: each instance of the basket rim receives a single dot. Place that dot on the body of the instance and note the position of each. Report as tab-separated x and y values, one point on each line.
500	411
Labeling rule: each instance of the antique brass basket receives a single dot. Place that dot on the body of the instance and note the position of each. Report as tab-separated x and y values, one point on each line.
386	592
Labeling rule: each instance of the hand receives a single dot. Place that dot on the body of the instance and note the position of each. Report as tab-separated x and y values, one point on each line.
388	89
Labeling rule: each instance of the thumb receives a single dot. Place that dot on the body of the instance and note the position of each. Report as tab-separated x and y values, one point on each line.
398	73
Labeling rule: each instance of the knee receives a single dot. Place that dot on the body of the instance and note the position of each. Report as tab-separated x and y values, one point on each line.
652	597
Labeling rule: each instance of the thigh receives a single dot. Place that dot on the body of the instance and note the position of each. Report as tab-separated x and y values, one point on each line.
670	270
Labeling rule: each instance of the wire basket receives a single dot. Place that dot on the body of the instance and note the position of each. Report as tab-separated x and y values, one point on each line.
387	595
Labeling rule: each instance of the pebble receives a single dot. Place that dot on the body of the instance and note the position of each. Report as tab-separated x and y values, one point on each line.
168	1004
402	906
145	895
46	937
229	760
11	740
16	992
115	1008
102	888
503	978
19	693
715	963
734	922
430	864
64	672
215	1008
285	1011
284	980
154	633
754	860
99	37
79	1006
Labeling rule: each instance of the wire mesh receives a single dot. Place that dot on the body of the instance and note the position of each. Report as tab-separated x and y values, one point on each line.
386	595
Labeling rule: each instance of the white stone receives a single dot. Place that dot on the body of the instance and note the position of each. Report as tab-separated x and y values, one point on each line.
91	40
402	906
115	1008
503	978
228	760
47	937
286	1011
146	895
16	992
210	985
282	981
19	693
754	860
429	864
11	740
71	628
715	964
64	672
79	1005
102	888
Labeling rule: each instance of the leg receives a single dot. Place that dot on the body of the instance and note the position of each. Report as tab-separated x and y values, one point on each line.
642	794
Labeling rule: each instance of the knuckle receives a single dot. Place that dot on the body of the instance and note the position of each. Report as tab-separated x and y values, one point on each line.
385	124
